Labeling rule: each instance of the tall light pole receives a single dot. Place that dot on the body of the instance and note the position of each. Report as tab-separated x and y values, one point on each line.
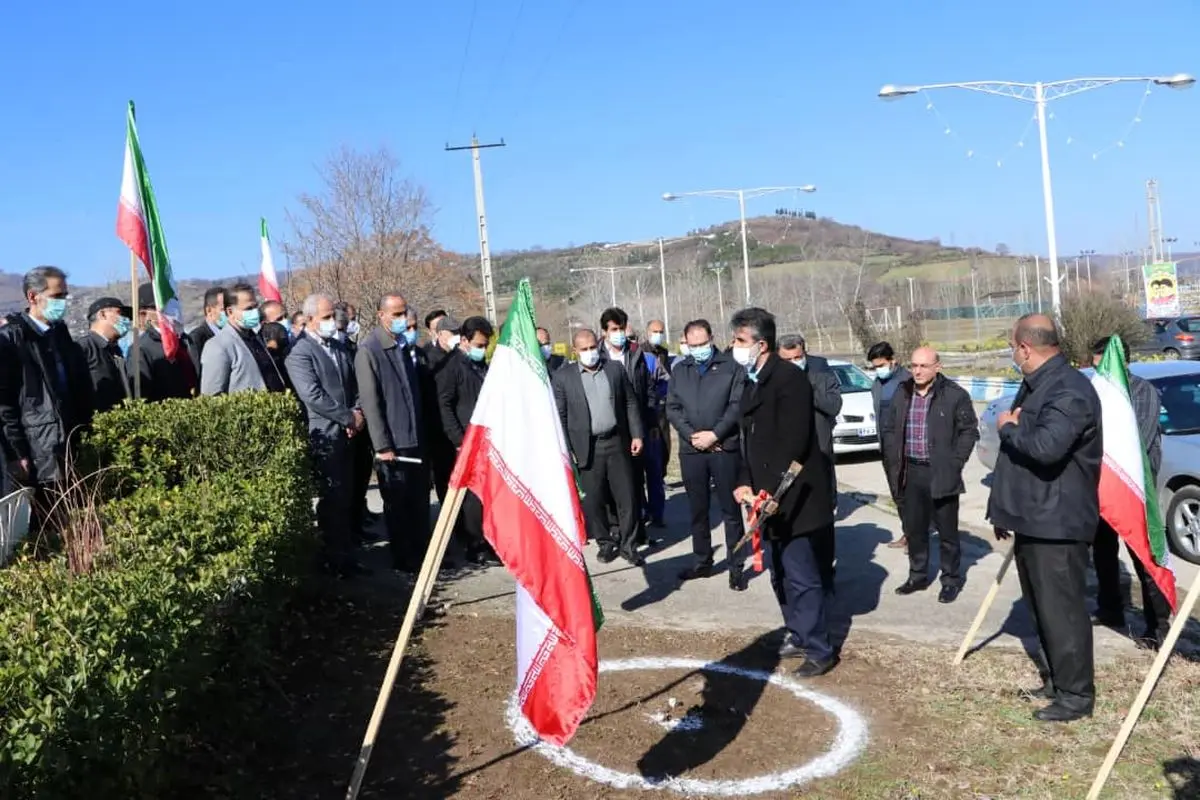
912	303
1040	94
742	195
612	274
1168	241
662	268
717	270
1087	259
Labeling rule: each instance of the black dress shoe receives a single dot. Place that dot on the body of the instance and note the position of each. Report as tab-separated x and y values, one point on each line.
737	580
695	571
909	587
1107	619
949	593
1043	692
1059	713
813	669
789	650
630	554
607	553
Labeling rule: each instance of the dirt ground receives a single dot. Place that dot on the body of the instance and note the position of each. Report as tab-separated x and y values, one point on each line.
931	731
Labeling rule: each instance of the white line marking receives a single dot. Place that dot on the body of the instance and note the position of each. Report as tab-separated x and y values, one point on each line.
849	743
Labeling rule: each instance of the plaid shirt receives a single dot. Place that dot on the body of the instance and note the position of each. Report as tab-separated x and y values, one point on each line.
916	428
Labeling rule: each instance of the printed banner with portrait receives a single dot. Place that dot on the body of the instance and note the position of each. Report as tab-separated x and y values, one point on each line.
1162	290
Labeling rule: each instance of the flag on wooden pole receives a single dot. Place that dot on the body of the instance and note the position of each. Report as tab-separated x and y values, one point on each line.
268	284
1128	497
139	227
523	474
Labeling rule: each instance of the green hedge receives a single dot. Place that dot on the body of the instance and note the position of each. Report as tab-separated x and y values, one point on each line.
208	529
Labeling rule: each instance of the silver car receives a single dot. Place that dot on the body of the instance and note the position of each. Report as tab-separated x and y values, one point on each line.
1178	383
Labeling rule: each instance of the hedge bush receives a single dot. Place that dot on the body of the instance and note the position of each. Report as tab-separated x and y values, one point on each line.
207	529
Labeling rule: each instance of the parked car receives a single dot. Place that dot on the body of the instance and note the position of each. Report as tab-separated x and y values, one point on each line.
855	430
1178	337
1178	382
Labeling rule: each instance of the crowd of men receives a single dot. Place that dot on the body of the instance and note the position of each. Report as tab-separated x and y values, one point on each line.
378	402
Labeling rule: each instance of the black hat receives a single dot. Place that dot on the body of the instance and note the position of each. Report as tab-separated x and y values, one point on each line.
146	301
109	302
448	324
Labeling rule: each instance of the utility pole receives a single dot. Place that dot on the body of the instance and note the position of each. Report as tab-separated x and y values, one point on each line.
485	250
1154	218
912	303
718	269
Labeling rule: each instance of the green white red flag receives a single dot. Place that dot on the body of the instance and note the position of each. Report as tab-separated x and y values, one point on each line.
268	284
139	227
515	459
1128	496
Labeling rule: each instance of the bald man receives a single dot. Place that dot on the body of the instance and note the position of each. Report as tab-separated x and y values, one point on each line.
934	431
1045	490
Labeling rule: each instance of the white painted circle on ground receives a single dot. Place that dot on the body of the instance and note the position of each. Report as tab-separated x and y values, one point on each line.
848	744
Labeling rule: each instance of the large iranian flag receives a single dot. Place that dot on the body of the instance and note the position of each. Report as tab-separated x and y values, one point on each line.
138	226
1128	497
268	284
514	458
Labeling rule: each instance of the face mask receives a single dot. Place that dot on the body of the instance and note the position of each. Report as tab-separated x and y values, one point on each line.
222	320
547	350
477	353
589	358
617	339
410	336
702	352
744	356
55	310
656	339
802	363
122	326
327	328
352	328
251	319
125	343
396	326
684	350
883	373
1017	364
453	342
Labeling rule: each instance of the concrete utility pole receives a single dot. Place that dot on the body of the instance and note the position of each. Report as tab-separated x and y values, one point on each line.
485	251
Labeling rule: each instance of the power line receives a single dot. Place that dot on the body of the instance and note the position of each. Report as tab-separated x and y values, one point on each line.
462	68
496	73
550	52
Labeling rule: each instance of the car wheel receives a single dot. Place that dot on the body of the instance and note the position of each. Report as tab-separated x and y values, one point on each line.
1171	354
1183	523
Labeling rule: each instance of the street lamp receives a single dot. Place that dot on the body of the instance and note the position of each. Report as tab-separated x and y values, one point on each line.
662	268
1040	94
742	195
612	274
1087	257
1168	242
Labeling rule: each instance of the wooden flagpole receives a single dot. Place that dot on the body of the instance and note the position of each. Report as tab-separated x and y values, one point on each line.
985	607
422	590
135	349
1135	711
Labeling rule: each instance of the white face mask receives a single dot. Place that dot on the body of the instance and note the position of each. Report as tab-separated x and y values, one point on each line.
589	358
453	342
656	339
745	356
684	350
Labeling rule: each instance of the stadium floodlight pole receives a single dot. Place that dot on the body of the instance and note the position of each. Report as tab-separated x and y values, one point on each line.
741	195
1040	94
662	268
612	274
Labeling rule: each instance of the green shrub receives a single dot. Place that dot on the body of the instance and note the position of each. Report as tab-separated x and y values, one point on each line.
1091	315
99	671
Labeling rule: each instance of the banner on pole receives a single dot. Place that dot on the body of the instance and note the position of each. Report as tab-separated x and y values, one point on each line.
1162	290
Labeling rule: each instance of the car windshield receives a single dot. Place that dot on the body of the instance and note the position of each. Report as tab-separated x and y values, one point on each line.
1180	411
851	378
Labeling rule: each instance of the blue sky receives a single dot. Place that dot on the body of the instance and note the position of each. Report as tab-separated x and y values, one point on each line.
604	106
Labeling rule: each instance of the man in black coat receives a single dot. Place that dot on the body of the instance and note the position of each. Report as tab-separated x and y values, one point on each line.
778	426
889	374
1045	489
162	378
827	395
214	320
703	405
603	425
458	386
432	358
109	320
934	430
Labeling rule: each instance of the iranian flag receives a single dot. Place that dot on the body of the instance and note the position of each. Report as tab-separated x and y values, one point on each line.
139	227
514	458
268	284
1128	497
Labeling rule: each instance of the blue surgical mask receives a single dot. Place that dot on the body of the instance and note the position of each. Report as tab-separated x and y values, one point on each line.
352	328
122	326
56	309
251	319
327	328
883	373
222	320
410	336
617	339
701	352
125	343
547	350
477	353
396	326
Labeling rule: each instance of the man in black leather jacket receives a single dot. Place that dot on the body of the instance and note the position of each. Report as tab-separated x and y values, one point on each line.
1046	491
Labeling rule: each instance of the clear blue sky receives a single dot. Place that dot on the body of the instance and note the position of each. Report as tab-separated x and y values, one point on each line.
604	105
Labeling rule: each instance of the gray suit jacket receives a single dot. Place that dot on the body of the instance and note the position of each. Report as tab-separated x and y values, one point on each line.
389	392
326	389
827	401
227	365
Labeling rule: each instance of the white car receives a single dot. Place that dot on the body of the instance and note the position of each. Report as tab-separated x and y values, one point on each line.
855	431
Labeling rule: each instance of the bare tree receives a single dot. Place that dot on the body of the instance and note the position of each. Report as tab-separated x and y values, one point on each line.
368	232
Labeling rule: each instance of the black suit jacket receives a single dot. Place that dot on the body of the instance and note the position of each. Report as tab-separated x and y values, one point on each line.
163	379
110	384
778	427
198	337
575	417
459	383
